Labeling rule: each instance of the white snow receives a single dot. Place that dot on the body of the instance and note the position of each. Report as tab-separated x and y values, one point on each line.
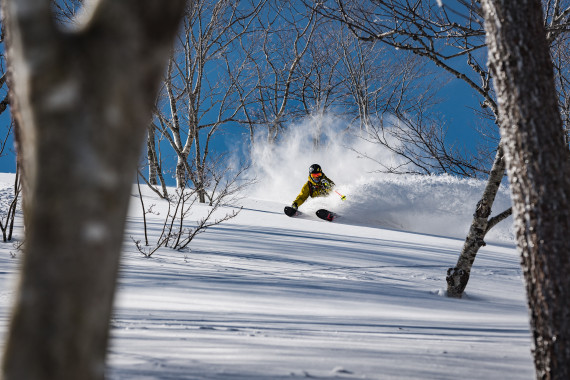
265	296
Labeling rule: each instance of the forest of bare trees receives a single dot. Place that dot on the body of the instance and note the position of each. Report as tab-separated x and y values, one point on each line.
248	69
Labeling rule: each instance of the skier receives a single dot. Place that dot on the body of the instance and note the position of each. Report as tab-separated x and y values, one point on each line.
318	185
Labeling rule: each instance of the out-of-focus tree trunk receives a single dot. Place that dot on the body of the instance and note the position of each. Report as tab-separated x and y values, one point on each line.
82	100
537	161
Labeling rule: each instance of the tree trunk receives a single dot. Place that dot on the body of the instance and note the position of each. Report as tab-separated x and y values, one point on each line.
458	277
153	165
82	100
181	172
538	167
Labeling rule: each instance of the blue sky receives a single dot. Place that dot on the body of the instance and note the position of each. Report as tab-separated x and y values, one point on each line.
8	160
459	102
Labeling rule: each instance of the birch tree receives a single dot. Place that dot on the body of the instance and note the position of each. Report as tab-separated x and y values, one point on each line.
538	168
198	98
82	99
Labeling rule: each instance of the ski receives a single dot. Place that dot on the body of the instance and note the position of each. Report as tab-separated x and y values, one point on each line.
326	215
290	211
322	213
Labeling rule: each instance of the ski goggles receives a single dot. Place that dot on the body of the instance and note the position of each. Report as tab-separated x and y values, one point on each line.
316	175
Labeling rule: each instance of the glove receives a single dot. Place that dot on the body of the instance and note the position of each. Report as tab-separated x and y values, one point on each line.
294	205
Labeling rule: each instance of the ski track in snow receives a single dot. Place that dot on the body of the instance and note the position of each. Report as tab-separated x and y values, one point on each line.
265	296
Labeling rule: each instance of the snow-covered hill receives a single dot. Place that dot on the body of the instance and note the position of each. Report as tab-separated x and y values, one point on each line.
265	296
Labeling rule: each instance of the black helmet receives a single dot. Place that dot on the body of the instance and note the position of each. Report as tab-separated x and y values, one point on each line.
316	172
315	168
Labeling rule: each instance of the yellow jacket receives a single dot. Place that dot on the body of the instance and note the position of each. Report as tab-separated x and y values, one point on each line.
313	189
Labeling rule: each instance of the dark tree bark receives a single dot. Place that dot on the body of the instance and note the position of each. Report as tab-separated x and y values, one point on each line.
82	100
537	165
153	165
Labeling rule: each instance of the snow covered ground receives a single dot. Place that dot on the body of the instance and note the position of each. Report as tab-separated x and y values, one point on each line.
265	296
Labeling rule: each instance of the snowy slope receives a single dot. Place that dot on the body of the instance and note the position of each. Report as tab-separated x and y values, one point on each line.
265	296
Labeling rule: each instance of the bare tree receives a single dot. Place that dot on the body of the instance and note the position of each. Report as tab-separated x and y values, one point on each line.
458	276
286	33
65	12
378	82
438	33
4	97
154	160
198	100
82	99
319	80
319	86
392	98
561	60
177	232
420	139
296	61
538	169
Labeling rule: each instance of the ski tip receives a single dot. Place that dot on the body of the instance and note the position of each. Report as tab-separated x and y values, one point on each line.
289	211
325	215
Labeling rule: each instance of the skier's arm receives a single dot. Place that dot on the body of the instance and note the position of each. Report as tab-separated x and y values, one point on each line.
303	195
328	184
